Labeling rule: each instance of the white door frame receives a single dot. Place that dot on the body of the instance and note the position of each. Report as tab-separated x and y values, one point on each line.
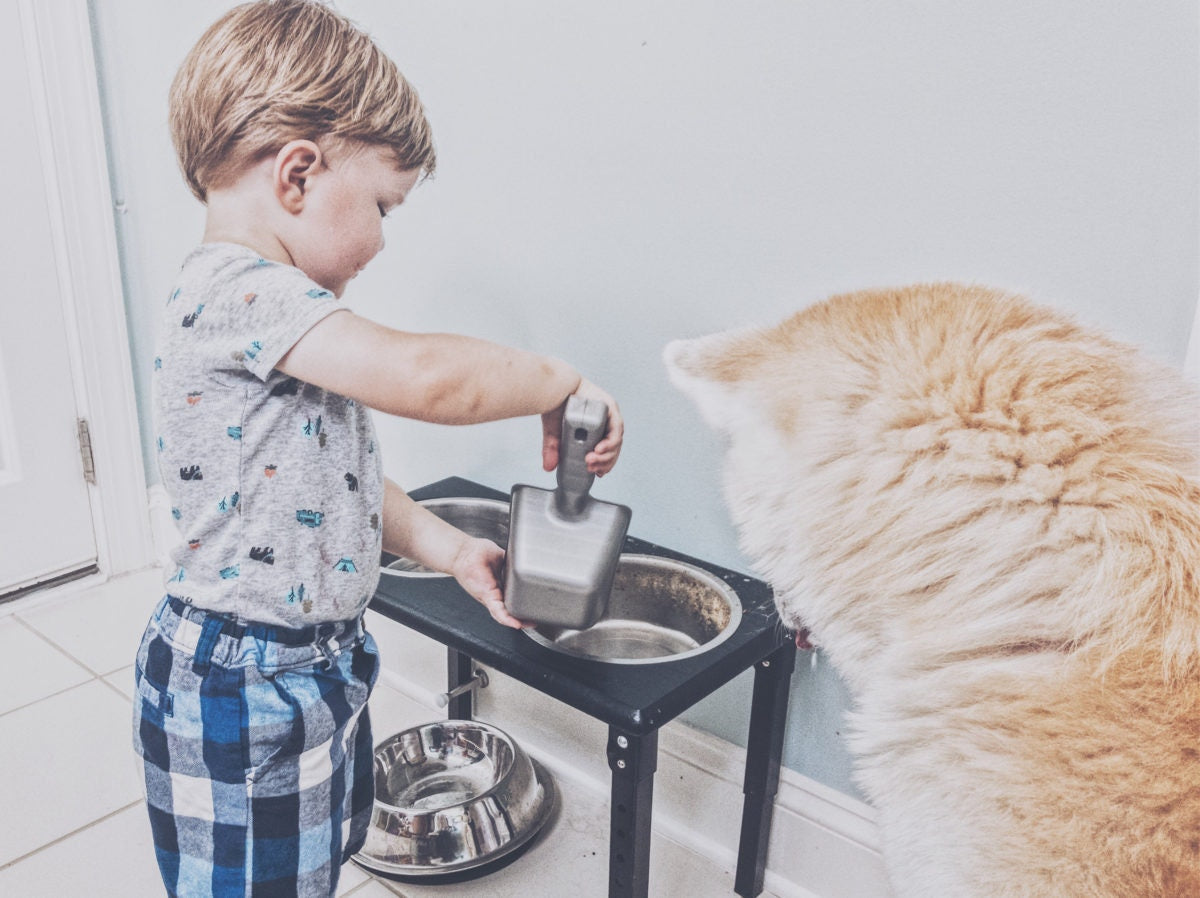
70	136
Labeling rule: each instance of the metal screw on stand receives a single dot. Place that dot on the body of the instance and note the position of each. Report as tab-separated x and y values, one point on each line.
478	681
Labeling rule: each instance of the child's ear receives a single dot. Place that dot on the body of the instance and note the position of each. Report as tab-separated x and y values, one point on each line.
294	165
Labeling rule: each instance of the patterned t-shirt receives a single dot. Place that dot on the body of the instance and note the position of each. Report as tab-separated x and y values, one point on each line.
276	485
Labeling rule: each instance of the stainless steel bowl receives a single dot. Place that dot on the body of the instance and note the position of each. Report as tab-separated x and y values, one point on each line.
487	518
659	610
452	796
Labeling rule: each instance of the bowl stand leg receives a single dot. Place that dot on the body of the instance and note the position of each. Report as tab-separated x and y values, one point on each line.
633	760
764	749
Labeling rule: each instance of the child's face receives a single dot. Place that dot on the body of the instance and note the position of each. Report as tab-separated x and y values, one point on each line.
340	229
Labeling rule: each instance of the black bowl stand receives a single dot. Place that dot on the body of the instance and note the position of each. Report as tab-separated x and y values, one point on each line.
634	700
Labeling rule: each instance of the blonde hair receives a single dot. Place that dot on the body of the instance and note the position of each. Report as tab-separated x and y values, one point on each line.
273	71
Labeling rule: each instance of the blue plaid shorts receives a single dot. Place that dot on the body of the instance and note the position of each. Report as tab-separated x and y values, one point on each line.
256	747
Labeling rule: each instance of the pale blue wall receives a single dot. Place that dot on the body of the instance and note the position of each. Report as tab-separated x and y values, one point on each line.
614	175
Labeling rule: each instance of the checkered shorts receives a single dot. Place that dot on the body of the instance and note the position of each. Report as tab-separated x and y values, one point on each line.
256	746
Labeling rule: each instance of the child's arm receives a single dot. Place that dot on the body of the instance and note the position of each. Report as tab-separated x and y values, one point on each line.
445	379
416	533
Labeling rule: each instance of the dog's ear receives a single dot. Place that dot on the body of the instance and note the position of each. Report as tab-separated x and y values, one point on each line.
699	369
684	359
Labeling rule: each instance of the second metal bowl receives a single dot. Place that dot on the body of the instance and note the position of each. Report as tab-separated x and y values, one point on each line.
452	796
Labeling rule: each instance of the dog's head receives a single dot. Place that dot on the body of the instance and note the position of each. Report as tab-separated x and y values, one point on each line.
766	392
942	464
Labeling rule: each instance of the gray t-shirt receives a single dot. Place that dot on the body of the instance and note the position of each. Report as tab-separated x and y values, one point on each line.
276	486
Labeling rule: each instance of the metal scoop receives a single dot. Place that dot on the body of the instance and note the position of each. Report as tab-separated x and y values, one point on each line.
563	545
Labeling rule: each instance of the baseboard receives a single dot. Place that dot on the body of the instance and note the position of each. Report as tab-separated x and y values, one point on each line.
824	844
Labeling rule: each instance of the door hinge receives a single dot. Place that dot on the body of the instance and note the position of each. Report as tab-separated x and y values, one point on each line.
85	450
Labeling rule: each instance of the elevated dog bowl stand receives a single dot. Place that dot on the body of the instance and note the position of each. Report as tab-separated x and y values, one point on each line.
635	700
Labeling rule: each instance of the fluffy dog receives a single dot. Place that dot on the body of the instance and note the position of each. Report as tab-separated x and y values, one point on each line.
988	517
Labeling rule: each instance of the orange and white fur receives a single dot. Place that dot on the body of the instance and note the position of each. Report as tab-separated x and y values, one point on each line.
988	517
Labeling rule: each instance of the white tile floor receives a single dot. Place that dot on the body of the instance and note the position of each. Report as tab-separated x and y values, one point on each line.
74	822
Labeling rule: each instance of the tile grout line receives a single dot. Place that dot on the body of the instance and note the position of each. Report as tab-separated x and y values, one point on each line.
392	888
117	689
62	691
50	642
66	836
361	888
94	676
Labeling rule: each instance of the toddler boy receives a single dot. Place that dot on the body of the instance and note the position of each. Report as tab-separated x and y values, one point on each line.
299	135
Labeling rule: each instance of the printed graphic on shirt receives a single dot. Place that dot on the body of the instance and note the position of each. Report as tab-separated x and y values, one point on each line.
310	518
265	554
190	320
295	594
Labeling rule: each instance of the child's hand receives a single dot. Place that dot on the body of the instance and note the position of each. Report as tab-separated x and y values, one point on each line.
603	457
478	568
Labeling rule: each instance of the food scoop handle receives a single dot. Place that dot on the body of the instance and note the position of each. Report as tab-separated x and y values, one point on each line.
585	422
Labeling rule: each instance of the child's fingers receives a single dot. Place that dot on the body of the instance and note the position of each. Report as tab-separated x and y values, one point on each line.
500	614
602	462
490	597
551	436
480	574
604	454
549	453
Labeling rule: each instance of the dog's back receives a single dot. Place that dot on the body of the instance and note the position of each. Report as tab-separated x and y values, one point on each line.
989	518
